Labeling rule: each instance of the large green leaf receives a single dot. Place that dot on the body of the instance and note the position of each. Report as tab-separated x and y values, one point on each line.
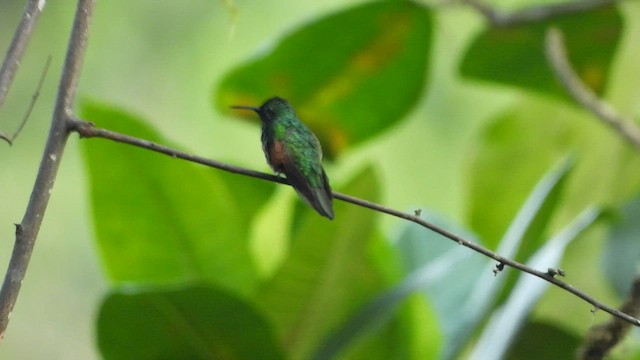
540	340
159	220
381	309
190	323
349	75
409	332
328	274
515	55
621	257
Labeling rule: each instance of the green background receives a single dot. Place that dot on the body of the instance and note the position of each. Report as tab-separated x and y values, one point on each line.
466	149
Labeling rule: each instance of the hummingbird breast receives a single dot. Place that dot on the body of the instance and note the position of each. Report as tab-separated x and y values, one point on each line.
277	156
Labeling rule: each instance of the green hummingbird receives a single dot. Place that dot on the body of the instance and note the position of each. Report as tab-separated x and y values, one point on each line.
292	149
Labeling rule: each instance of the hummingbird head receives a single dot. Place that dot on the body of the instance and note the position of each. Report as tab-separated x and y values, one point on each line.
270	110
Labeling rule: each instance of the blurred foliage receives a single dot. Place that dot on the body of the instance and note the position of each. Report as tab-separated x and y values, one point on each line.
347	85
150	230
178	241
544	340
195	322
329	273
621	258
515	55
505	143
463	306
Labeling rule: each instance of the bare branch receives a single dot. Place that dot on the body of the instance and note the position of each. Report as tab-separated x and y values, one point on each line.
535	13
27	230
602	338
87	130
557	57
16	50
34	98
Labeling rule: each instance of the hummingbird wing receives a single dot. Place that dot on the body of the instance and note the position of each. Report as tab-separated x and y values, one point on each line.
304	170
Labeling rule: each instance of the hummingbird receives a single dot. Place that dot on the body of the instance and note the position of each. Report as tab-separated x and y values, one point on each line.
293	150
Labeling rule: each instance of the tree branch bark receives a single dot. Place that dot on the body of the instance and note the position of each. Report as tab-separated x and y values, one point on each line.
602	338
27	230
582	94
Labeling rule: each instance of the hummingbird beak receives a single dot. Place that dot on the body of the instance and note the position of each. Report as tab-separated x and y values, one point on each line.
244	107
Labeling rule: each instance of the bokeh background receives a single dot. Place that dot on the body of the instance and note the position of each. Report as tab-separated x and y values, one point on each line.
163	60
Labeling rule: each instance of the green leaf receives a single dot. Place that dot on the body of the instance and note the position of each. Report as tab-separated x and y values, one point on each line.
379	312
515	55
506	321
189	323
328	274
540	340
409	332
621	258
159	220
346	85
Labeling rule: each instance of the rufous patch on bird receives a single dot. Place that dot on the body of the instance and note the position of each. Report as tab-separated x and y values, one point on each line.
278	155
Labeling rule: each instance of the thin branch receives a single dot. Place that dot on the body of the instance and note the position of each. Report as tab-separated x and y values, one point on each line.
18	45
34	98
536	13
27	230
87	130
557	57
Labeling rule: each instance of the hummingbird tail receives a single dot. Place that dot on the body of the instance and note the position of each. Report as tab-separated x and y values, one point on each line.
323	199
319	198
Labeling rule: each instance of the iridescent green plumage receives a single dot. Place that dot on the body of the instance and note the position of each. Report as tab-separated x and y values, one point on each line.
292	149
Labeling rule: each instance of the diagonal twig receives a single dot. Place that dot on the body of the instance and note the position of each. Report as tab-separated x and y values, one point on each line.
557	57
16	50
535	13
27	230
34	98
87	130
